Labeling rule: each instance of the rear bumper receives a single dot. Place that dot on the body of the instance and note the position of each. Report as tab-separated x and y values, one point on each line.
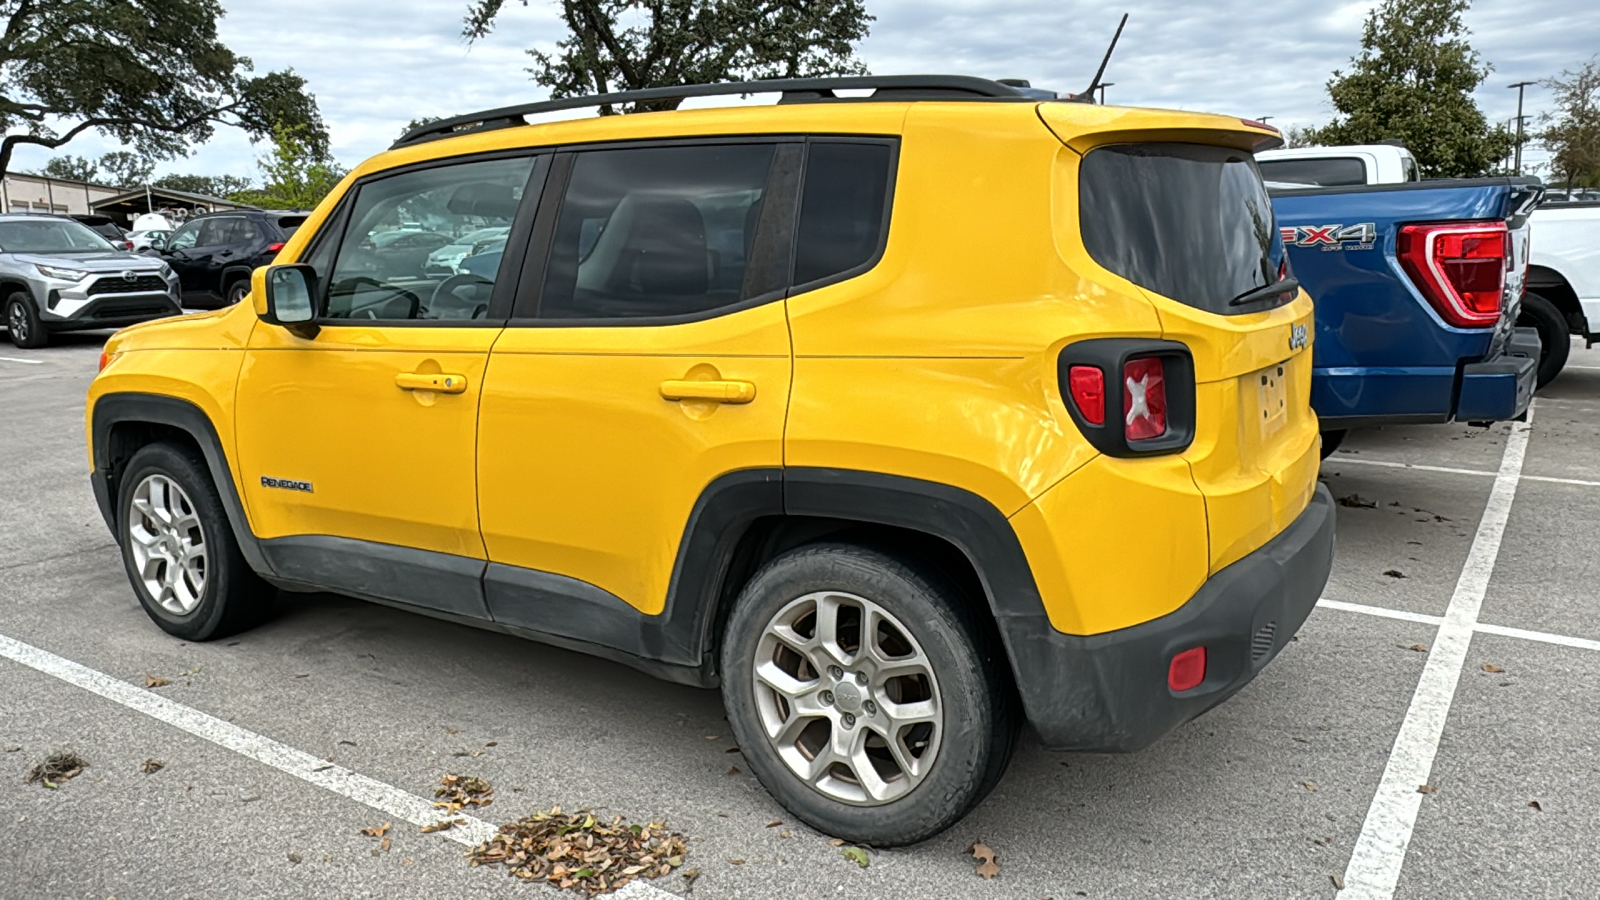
1496	389
1108	692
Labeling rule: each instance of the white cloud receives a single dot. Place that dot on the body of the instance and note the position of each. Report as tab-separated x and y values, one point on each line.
375	67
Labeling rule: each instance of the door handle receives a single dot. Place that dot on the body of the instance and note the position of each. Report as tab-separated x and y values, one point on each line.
716	391
444	384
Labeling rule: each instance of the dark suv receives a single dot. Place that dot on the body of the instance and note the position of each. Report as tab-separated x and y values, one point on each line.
214	253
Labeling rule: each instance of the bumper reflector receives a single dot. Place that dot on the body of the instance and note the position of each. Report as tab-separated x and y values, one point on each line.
1187	670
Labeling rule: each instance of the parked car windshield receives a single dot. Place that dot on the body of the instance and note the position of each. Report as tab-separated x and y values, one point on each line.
45	236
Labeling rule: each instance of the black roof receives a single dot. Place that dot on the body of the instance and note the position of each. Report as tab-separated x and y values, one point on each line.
794	90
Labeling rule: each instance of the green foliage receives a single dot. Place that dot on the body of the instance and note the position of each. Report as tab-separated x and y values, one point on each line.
1572	132
618	45
224	186
149	73
1413	81
295	174
125	169
70	168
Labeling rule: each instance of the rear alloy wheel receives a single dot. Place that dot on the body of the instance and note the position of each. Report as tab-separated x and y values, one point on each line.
1555	344
864	693
22	321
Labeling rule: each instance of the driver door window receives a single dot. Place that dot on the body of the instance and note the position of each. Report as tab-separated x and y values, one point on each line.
381	270
185	237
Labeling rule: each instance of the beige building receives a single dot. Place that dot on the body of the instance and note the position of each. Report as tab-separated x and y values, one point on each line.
38	194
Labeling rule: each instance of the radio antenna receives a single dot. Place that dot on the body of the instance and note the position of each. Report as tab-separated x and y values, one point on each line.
1088	95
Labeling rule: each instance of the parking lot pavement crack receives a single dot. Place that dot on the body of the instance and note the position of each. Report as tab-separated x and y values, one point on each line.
1380	850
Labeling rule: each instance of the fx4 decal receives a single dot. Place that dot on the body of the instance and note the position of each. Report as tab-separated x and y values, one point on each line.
285	484
1362	236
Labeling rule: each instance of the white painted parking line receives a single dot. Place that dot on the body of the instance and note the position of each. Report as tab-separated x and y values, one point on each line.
1380	850
1548	479
1542	636
1401	614
1383	612
386	798
26	362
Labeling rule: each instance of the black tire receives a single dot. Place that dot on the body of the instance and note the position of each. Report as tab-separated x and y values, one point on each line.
237	291
233	597
978	715
22	322
1540	313
1331	441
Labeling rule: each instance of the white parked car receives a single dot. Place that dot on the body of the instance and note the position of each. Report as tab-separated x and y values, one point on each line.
149	240
447	259
1563	285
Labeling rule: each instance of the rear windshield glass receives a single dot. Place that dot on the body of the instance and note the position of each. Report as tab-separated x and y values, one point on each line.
1340	171
287	224
1188	221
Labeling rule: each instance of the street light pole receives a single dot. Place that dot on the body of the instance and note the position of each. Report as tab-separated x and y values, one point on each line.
1517	166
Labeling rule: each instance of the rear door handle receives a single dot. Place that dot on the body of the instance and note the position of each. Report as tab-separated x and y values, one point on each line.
444	384
716	391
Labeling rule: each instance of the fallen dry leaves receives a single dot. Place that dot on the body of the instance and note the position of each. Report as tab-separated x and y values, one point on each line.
152	766
155	681
579	852
1427	789
987	867
456	792
1491	667
442	825
56	768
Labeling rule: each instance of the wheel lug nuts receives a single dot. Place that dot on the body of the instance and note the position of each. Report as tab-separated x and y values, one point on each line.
836	672
849	721
861	679
827	697
870	707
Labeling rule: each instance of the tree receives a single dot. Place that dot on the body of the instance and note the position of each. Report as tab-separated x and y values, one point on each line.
70	168
1413	81
150	73
617	45
1572	133
296	173
125	169
224	186
416	123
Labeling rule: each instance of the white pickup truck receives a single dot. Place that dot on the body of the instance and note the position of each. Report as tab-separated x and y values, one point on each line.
1563	294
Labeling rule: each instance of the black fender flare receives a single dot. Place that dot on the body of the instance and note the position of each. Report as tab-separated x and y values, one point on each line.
154	409
230	274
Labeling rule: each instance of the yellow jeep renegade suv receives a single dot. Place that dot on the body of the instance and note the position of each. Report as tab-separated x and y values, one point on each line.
904	418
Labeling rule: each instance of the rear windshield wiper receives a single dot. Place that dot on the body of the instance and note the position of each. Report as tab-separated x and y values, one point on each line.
1286	286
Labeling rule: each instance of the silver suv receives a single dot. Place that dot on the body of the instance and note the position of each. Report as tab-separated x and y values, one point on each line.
56	274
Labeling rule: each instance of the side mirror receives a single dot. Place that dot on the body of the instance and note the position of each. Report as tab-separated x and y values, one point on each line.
289	291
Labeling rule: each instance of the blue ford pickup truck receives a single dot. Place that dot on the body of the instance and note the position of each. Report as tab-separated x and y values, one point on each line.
1417	287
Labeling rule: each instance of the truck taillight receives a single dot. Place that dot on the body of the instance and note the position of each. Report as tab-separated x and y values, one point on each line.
1087	384
1460	269
1144	399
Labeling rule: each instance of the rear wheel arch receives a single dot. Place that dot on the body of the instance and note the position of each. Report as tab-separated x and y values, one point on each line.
1553	286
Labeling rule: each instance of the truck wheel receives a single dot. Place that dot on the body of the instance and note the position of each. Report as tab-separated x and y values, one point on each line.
1331	441
22	321
238	291
864	695
179	549
1543	315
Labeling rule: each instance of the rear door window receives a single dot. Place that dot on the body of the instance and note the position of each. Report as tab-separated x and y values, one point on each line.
655	232
1191	222
288	224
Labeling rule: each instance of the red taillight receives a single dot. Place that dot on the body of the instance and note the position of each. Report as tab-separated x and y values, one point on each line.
1144	399
1187	670
1088	387
275	247
1460	269
104	359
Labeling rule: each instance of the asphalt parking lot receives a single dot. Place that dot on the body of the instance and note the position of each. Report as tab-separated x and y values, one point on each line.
1456	652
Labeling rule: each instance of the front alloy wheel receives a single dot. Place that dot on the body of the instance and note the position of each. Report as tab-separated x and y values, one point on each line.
168	544
847	698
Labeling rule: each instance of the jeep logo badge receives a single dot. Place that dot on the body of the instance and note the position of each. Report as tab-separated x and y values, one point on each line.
1297	336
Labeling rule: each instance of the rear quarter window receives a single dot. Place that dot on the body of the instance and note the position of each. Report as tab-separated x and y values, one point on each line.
1191	222
289	224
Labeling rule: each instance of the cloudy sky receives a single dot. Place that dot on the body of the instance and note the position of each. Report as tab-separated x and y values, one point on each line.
376	64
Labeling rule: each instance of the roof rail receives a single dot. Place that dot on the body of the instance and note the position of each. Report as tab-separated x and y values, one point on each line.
794	90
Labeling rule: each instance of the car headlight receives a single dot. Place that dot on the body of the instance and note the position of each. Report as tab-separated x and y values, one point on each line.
60	273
